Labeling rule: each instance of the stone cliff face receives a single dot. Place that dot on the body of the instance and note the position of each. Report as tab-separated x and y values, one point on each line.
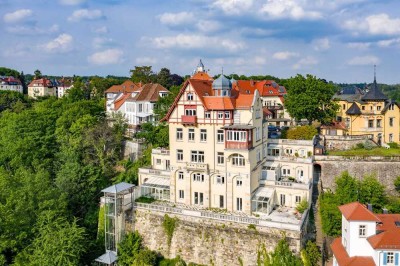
209	242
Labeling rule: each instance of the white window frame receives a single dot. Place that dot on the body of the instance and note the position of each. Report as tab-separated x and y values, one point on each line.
181	175
220	158
197	156
179	134
220	115
235	135
198	177
239	204
181	194
238	160
191	134
190	112
203	135
179	155
220	136
190	96
220	179
227	115
362	230
207	115
239	182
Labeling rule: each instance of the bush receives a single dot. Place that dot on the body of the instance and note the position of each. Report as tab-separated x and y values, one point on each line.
368	145
143	199
359	146
393	145
302	133
302	206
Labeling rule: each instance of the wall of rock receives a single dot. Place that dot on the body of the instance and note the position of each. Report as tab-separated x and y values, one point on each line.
207	241
386	169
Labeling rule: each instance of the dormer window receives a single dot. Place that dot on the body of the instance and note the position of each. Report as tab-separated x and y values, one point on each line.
190	96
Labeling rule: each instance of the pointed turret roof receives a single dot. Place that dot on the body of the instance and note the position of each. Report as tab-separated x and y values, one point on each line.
374	94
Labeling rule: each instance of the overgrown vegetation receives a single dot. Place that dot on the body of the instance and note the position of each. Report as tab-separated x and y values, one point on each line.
281	256
169	227
349	189
311	254
301	132
361	151
143	199
55	157
302	206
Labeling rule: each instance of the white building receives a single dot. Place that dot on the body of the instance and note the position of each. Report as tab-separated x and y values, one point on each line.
367	238
134	102
219	158
63	86
11	84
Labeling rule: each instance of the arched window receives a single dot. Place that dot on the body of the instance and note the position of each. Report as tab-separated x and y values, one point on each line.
238	160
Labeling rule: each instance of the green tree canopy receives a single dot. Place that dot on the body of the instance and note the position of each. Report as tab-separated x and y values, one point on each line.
302	132
143	74
4	71
310	98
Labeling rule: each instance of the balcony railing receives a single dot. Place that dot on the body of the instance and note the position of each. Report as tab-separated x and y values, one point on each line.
197	166
189	120
160	151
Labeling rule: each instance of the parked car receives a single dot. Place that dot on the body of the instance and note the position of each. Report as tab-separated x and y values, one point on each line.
271	128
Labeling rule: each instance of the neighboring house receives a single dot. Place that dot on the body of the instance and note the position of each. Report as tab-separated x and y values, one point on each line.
219	158
11	84
63	85
41	87
135	103
367	238
370	113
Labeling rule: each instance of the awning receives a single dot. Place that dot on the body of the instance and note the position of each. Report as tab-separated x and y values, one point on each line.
263	194
157	182
143	114
107	258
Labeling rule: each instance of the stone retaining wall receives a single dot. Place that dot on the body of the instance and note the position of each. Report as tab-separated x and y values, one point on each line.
209	242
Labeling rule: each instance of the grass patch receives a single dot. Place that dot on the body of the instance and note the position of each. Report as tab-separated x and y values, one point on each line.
378	151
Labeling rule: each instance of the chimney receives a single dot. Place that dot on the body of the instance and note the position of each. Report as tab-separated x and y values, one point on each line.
252	83
385	211
369	206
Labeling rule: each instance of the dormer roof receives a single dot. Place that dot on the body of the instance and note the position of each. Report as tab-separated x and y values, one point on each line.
353	110
222	83
356	211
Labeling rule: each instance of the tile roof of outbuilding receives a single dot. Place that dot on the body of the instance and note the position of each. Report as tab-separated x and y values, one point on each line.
356	211
343	258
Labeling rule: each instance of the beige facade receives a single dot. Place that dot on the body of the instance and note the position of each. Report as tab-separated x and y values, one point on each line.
218	155
41	87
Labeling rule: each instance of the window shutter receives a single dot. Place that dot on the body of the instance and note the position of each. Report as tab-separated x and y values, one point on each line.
384	258
396	259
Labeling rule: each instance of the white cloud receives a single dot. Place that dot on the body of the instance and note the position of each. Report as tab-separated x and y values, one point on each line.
388	43
288	9
378	24
208	25
175	19
305	62
100	42
260	60
63	43
103	29
321	44
146	60
359	45
233	7
17	16
32	30
72	2
192	41
106	57
284	55
364	60
86	14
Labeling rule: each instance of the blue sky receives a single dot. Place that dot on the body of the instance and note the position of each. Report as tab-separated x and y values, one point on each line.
337	40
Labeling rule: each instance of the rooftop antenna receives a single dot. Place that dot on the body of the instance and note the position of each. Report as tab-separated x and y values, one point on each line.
375	73
222	70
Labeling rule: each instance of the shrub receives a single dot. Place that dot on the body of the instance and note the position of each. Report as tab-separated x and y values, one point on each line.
393	145
302	206
169	227
252	227
359	146
368	145
143	199
302	132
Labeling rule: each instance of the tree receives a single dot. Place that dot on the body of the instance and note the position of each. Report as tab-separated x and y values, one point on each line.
58	242
397	184
164	103
346	188
142	74
164	78
38	74
302	132
311	254
129	248
310	98
4	71
373	192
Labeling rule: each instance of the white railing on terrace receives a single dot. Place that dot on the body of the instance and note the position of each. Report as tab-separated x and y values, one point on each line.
197	166
281	224
290	159
160	151
349	137
145	170
356	158
291	142
293	185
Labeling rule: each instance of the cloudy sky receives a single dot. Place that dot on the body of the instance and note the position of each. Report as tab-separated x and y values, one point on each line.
338	40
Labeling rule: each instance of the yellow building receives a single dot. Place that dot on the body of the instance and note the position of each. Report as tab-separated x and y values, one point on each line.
370	113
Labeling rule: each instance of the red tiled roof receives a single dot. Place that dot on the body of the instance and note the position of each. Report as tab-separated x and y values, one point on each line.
355	211
390	237
120	101
11	79
343	259
41	82
127	86
149	93
201	76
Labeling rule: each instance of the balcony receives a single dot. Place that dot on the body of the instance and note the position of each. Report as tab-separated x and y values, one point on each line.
274	107
160	151
197	166
288	184
238	145
189	120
